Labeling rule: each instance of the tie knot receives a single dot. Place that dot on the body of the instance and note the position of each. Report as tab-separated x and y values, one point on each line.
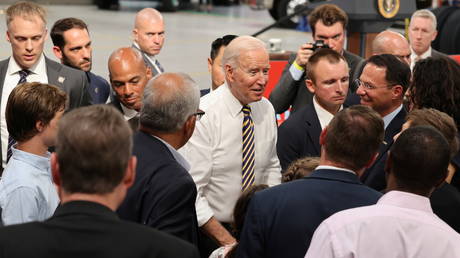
246	110
24	73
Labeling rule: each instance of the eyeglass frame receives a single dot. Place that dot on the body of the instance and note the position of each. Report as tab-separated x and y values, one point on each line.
359	83
199	114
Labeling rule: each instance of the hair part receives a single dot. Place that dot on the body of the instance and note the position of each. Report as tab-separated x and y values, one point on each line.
418	159
328	14
426	14
63	25
354	136
169	100
323	53
29	103
25	10
94	152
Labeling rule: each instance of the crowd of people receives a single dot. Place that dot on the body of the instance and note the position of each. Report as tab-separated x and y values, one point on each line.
147	165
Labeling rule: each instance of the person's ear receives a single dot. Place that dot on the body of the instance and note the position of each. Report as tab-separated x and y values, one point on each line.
310	85
210	65
148	73
130	172
40	126
229	72
8	36
398	92
135	35
57	52
55	172
322	136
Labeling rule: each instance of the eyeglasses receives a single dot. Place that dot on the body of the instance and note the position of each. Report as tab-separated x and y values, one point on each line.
369	86
199	114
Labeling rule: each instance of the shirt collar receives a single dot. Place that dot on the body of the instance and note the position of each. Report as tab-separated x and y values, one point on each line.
324	116
388	118
426	54
127	112
40	162
406	200
38	68
335	168
177	156
233	104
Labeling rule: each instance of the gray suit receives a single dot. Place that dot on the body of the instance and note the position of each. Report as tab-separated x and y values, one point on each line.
289	92
72	81
147	61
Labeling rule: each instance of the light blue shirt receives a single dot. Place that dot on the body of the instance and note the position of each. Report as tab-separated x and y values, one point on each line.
388	118
27	192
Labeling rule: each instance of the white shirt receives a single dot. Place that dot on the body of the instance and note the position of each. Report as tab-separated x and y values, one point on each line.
324	116
401	224
215	152
413	56
127	112
38	74
151	59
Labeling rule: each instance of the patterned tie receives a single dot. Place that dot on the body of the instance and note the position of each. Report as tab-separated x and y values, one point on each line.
159	66
248	149
22	78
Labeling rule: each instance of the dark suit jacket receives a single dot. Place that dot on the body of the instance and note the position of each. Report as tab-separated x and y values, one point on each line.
99	88
374	176
281	220
298	136
147	61
72	81
289	92
445	202
163	195
87	229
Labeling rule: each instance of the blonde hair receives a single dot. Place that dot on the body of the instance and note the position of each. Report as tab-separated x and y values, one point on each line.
25	10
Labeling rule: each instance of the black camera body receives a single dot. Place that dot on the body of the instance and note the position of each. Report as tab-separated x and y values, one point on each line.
319	44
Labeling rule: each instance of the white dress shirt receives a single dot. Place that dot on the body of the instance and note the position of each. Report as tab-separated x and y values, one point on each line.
215	152
151	59
128	113
401	224
324	116
38	74
413	57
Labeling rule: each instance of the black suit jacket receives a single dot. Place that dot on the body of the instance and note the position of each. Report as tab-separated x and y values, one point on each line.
281	220
147	62
163	195
374	176
298	136
289	92
72	81
99	88
87	229
445	202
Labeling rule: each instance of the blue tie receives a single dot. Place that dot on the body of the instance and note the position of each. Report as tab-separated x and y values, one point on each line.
159	66
22	78
248	149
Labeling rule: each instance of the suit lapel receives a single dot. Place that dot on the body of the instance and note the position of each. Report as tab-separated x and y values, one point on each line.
313	126
3	69
52	71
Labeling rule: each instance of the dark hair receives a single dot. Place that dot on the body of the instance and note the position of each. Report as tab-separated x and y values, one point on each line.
397	72
29	103
63	25
239	212
436	84
329	14
353	136
300	168
323	53
93	149
220	42
439	120
419	159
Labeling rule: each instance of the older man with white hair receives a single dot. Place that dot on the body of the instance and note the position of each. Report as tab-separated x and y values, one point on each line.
234	144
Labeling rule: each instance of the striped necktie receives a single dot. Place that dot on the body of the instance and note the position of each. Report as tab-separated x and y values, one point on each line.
248	149
22	78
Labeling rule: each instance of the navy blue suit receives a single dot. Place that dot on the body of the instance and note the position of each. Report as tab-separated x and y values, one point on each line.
374	176
163	195
99	88
281	220
298	136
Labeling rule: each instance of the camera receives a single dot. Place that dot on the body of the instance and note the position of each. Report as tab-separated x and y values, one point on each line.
319	44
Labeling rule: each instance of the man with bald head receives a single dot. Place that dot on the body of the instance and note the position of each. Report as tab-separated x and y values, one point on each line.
128	77
149	36
234	144
393	43
163	195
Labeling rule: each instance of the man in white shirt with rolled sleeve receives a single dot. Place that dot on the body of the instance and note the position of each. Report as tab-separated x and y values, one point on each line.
234	144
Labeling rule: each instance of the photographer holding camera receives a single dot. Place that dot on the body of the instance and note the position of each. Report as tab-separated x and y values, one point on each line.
328	23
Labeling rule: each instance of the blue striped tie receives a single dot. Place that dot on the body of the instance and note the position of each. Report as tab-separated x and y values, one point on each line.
248	149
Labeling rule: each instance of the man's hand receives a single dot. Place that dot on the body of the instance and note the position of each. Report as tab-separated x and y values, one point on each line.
217	232
303	54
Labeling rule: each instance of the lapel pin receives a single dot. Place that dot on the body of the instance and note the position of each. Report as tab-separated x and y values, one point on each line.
61	79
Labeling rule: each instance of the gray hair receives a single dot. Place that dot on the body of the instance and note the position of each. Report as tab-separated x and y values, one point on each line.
169	100
237	46
427	14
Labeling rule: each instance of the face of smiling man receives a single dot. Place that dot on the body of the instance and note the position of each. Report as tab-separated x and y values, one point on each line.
27	37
